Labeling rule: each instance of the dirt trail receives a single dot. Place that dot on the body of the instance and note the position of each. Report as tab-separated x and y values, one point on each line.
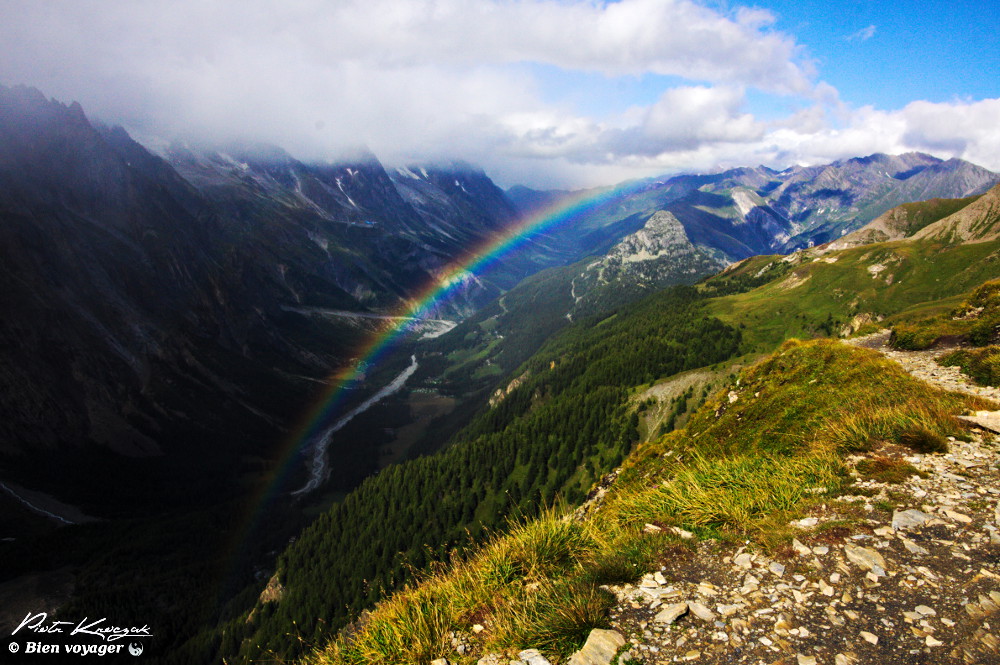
922	365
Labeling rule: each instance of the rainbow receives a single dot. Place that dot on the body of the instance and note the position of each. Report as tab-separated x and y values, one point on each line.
474	262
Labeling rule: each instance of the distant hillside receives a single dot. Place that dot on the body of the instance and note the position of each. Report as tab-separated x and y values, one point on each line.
528	201
977	222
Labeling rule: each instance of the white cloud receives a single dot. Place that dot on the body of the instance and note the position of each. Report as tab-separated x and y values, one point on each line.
425	79
862	35
402	75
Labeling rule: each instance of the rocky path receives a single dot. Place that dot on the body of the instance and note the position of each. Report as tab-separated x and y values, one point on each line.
922	364
898	573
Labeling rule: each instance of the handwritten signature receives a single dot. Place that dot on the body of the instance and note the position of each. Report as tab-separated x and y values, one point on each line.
40	624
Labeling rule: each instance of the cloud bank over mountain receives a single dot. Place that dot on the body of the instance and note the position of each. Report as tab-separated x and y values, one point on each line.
510	85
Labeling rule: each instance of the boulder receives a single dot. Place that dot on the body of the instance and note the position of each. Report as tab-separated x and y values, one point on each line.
600	649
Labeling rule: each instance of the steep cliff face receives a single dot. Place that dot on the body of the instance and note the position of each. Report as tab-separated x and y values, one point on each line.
136	321
657	255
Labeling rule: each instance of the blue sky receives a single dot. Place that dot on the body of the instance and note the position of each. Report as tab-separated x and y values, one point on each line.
550	93
890	53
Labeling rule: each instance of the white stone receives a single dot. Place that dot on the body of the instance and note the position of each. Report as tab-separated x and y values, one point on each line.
686	535
866	558
800	549
730	610
671	613
533	657
701	611
909	519
958	517
869	637
600	648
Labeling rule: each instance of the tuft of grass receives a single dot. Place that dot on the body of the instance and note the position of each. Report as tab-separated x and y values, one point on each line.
982	365
923	440
536	586
556	618
729	493
922	427
887	470
924	334
976	319
822	393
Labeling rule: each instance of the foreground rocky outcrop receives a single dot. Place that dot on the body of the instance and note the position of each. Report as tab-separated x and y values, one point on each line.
904	572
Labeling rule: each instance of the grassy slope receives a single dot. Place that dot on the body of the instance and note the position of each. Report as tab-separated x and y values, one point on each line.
568	424
739	468
926	277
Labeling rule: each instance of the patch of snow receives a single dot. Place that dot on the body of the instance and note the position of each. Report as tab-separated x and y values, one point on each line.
424	171
406	173
441	230
242	165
